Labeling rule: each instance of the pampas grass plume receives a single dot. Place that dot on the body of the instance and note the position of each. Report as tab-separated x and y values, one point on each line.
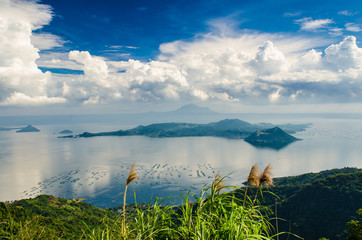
218	182
254	176
266	178
132	175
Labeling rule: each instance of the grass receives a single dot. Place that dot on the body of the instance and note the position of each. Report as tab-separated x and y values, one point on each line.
211	215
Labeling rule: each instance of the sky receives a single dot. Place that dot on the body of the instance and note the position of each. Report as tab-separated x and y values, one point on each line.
116	56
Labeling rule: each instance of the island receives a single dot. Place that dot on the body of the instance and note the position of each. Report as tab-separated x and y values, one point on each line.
227	128
28	128
274	137
66	131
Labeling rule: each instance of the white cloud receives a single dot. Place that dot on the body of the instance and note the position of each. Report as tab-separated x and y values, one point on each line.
308	24
347	13
352	27
224	69
17	98
57	60
335	31
274	96
293	14
132	80
344	55
269	60
20	77
310	60
239	66
95	68
46	41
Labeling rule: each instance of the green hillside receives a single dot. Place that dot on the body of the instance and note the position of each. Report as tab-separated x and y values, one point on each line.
314	205
322	208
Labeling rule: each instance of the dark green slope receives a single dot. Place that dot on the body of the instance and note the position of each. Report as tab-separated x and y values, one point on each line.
311	177
323	208
59	217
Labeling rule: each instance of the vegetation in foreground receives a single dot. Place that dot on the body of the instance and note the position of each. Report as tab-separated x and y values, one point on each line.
213	215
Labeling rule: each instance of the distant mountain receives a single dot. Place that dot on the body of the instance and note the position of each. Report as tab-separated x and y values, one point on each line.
28	128
193	109
5	129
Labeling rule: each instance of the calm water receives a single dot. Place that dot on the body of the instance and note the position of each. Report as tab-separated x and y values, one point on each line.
96	168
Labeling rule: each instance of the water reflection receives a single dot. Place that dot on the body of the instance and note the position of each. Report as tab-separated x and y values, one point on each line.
275	146
97	168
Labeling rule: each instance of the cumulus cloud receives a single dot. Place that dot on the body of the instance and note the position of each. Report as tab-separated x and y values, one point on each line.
246	67
225	70
20	78
130	80
269	60
310	60
344	55
247	73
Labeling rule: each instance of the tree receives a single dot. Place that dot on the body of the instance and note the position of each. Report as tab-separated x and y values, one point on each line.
355	228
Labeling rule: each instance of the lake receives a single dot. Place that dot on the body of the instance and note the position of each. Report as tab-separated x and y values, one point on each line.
97	168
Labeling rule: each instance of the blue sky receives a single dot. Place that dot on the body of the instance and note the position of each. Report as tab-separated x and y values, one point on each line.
84	56
95	26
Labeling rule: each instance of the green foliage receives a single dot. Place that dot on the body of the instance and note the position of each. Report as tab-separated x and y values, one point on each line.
355	227
311	177
322	208
312	210
47	217
212	216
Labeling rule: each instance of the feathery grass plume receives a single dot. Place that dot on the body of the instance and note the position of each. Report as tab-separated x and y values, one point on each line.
254	176
253	179
266	178
218	183
131	176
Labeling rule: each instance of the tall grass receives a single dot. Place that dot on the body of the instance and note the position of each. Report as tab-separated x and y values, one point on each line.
210	215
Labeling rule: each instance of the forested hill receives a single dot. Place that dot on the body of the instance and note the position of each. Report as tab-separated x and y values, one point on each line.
315	205
322	208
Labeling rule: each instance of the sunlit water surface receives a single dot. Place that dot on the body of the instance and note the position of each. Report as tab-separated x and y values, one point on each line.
97	168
